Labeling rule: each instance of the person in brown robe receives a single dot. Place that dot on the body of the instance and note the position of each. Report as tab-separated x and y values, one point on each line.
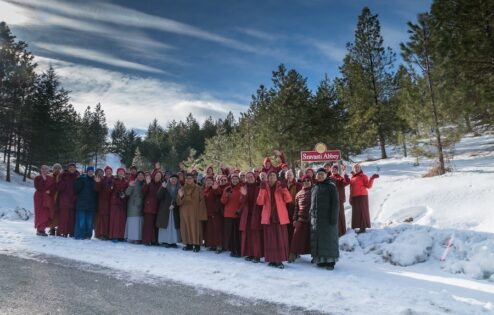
43	200
118	206
341	183
274	196
150	193
103	186
214	226
301	221
192	213
54	210
250	221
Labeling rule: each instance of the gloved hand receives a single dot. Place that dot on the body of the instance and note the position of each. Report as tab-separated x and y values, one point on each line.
375	176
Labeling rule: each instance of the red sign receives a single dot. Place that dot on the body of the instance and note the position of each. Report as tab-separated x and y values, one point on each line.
314	156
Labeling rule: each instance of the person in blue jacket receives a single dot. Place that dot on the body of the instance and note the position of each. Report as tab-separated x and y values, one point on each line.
85	205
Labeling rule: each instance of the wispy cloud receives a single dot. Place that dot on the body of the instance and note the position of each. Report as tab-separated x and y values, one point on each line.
126	17
329	49
95	56
133	99
265	36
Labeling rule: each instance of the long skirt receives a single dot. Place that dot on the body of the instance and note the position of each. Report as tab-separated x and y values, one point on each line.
252	243
149	229
170	235
342	220
102	227
301	238
214	231
290	208
133	229
360	212
66	221
231	235
41	217
54	216
118	219
275	243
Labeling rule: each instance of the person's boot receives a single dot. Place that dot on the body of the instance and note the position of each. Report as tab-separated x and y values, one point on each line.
41	233
249	258
197	248
323	265
291	258
174	245
219	250
256	260
279	265
51	231
187	247
331	266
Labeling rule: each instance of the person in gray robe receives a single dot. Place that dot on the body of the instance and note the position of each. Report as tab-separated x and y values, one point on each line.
135	203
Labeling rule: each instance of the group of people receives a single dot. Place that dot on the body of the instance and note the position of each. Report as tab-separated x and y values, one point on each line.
265	213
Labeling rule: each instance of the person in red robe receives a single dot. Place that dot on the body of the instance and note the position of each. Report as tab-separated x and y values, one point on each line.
67	199
250	221
118	206
214	226
150	193
103	186
267	165
341	183
274	217
132	173
359	198
54	210
231	200
293	187
300	244
44	186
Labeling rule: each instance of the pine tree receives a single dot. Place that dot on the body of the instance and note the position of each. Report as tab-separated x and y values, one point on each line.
367	83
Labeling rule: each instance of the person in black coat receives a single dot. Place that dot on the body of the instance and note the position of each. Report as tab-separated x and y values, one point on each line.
324	221
85	205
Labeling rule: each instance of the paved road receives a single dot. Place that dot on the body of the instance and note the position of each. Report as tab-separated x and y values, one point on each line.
50	285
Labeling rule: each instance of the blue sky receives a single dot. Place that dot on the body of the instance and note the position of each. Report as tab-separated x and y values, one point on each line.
164	59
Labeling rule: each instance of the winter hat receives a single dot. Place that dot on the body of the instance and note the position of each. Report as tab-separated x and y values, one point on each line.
108	167
120	169
57	166
133	167
306	177
321	170
234	175
174	175
266	160
283	165
90	169
71	164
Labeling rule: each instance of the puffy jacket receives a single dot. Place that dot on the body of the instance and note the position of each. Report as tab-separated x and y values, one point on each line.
359	184
86	196
282	197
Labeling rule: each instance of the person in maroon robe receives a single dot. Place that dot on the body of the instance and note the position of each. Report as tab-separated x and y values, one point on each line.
118	206
341	183
267	165
150	193
250	221
54	211
44	186
293	187
103	186
214	226
301	221
133	173
274	217
67	199
359	198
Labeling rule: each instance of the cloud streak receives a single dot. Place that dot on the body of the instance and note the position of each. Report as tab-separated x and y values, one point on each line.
133	99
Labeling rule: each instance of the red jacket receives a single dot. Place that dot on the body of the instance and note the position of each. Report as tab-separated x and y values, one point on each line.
341	183
359	184
150	192
302	205
282	197
231	201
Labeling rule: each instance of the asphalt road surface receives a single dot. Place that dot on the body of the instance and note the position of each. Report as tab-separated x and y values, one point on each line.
50	285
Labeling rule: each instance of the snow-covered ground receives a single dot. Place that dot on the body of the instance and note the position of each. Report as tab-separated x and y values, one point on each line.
395	268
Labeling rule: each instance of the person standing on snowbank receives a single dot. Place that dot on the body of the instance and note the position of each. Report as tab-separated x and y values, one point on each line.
85	204
43	200
324	211
359	198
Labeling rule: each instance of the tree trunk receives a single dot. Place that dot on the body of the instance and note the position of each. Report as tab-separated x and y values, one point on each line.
9	146
468	124
382	144
18	156
29	171
404	145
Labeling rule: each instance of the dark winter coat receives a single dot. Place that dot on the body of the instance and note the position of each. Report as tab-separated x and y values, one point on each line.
324	220
165	201
87	199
